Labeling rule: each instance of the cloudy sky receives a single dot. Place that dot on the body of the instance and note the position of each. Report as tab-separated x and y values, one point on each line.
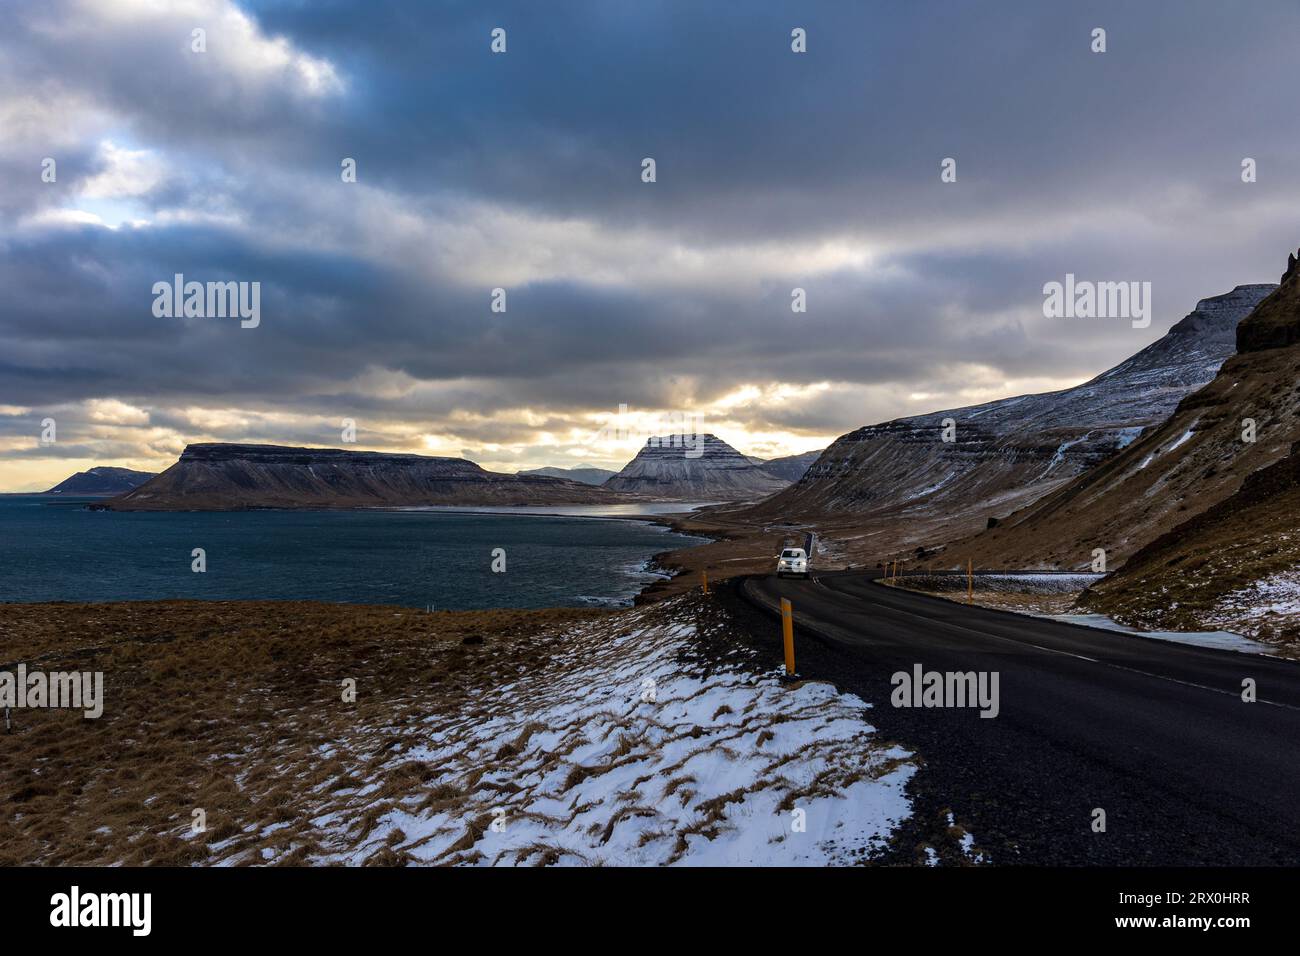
522	170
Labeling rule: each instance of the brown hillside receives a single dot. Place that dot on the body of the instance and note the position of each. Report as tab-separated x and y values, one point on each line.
1176	471
1218	569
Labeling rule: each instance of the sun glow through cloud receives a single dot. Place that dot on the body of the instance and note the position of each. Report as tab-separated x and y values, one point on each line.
673	299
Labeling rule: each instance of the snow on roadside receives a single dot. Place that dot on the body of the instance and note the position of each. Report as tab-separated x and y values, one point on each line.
1263	605
1224	640
1051	595
637	750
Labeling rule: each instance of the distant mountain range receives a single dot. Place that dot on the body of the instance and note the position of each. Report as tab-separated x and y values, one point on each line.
231	476
103	480
587	476
221	477
790	468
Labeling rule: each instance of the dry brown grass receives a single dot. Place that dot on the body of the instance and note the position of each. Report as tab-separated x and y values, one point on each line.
1022	602
235	708
1200	575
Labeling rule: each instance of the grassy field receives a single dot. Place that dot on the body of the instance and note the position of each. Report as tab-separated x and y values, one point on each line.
234	708
648	736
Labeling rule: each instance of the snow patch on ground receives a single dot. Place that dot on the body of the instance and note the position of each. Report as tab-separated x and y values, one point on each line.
1128	436
1059	456
632	753
1268	601
1180	440
932	489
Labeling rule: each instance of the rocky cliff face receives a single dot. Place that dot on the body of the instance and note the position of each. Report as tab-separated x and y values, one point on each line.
1200	456
696	467
1008	453
1273	326
221	477
103	480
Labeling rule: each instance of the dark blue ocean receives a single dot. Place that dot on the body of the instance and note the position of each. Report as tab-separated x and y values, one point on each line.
57	550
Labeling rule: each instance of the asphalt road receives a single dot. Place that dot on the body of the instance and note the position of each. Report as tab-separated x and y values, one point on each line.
1154	733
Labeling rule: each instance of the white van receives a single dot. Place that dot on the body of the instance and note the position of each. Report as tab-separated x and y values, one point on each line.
792	561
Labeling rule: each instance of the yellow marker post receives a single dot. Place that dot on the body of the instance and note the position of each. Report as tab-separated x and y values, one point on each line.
787	632
704	575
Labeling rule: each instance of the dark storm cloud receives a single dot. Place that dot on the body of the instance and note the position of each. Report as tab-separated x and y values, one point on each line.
86	329
1122	166
750	137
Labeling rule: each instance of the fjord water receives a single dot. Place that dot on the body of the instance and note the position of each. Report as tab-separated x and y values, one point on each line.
57	550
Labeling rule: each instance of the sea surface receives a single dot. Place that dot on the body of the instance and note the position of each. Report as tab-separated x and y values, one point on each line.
54	549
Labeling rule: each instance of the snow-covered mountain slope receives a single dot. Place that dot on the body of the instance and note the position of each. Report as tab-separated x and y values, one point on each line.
1197	458
694	466
1008	453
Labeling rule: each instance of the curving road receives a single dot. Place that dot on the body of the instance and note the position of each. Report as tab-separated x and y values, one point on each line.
1154	733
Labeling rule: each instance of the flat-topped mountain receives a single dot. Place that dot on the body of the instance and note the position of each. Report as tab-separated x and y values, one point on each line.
694	466
228	477
101	480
